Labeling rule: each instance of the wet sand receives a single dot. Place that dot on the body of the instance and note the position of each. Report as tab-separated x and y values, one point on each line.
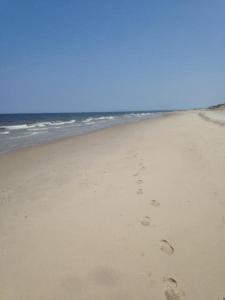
131	212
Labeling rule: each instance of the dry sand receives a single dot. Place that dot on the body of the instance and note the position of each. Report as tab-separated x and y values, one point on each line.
131	212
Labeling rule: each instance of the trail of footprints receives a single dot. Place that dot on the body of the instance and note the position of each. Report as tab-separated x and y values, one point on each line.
171	291
140	191
139	181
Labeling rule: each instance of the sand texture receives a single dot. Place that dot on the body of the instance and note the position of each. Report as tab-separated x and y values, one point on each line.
131	212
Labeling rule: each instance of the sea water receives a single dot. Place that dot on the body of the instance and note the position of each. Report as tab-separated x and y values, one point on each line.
21	130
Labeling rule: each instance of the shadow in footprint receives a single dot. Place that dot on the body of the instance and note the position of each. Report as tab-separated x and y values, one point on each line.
145	221
171	291
171	282
139	191
155	203
172	294
139	181
136	174
166	247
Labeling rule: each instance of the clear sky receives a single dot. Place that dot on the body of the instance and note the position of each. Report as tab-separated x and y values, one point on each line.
103	55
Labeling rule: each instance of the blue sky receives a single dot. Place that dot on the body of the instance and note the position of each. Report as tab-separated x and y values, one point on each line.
68	55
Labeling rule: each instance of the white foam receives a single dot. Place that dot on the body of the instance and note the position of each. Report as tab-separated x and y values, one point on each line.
106	118
59	123
4	132
90	123
87	120
38	125
16	127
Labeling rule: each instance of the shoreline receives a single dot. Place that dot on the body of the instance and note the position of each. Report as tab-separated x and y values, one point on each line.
89	133
44	128
135	211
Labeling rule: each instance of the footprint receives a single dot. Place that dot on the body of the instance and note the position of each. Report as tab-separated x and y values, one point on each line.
172	294
145	222
139	181
171	282
139	191
155	203
166	247
136	174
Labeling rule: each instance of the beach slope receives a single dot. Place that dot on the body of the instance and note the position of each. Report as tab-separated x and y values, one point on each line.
130	212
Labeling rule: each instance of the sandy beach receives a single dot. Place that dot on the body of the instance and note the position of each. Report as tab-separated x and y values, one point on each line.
131	212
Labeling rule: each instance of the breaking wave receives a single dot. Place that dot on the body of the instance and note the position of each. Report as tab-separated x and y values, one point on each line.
35	125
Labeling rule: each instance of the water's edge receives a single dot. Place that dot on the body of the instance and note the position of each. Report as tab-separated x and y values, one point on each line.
21	130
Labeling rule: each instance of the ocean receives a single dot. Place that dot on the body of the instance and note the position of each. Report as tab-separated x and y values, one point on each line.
22	130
